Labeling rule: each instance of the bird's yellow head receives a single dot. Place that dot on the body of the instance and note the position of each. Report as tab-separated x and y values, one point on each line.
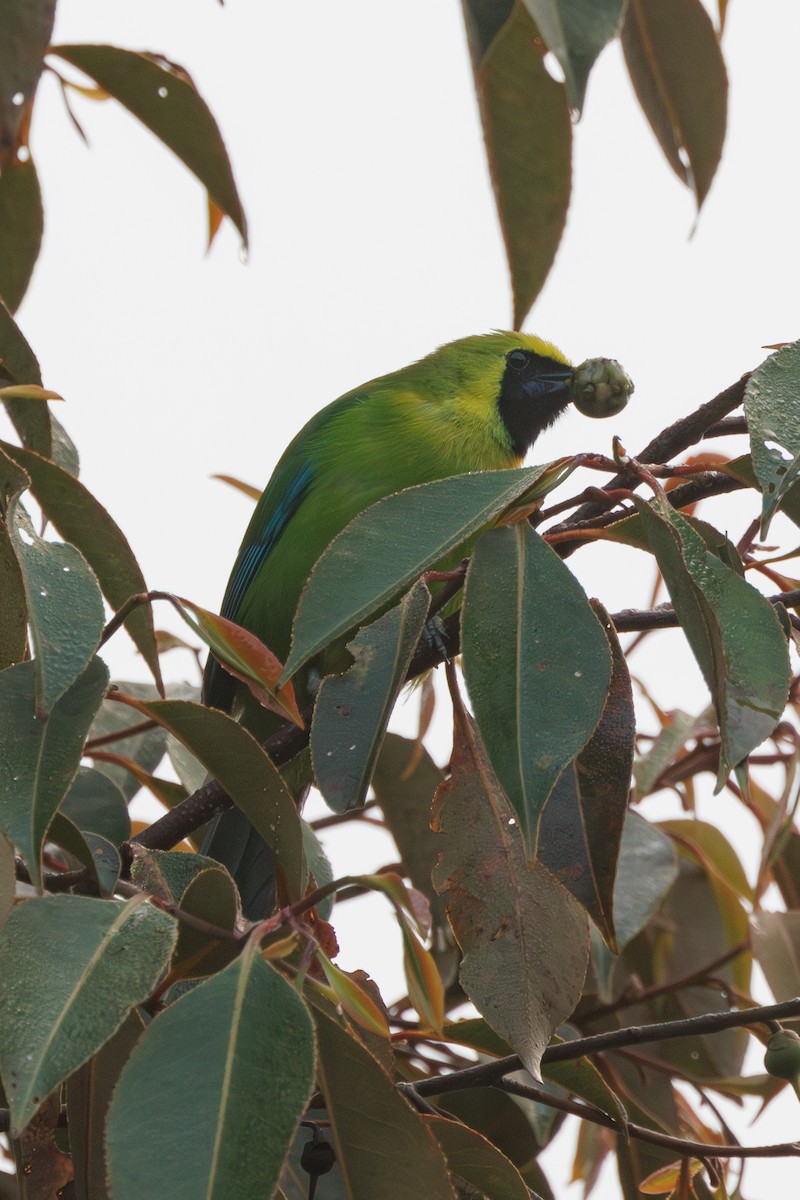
510	386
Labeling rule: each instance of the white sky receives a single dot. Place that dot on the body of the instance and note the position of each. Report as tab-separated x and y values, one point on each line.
354	138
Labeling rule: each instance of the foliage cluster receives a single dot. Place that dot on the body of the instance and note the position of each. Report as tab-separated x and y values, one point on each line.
156	1044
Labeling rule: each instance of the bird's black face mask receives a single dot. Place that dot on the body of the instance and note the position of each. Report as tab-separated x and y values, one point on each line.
534	391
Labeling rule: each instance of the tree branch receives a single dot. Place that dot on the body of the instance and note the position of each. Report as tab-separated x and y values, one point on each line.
682	1146
487	1074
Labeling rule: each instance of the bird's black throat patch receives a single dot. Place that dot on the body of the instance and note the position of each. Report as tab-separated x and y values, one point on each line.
534	391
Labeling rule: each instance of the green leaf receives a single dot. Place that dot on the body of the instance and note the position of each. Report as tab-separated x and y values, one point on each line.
678	73
536	662
25	28
319	867
65	610
580	1077
21	224
405	782
388	546
646	870
95	804
576	31
365	1110
110	957
528	135
19	365
524	938
90	850
209	1101
673	736
145	748
39	758
247	774
167	874
82	520
484	19
14	608
352	710
211	895
473	1158
581	829
164	98
88	1097
732	629
776	945
772	409
8	881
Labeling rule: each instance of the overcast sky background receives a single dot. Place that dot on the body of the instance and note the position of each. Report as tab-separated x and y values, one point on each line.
355	142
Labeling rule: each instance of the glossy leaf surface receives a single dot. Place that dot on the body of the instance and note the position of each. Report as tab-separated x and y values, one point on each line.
110	956
221	1125
536	662
352	710
399	538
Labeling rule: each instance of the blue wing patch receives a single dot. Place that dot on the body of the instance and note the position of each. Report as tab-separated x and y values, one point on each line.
218	685
250	562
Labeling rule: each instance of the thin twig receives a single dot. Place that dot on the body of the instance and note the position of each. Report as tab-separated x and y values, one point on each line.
683	1146
664	989
485	1074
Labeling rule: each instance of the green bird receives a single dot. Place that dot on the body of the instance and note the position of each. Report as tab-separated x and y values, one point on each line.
477	404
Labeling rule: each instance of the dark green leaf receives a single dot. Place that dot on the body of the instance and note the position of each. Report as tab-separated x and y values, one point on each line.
405	783
246	773
528	135
678	72
319	867
352	710
65	610
503	1122
536	662
25	28
21	223
88	1097
700	920
39	758
772	408
19	365
580	1077
209	1100
8	881
524	938
99	856
95	804
145	748
212	897
673	736
581	830
646	869
14	608
733	630
164	98
576	31
167	874
398	539
365	1109
484	19
472	1157
82	520
109	957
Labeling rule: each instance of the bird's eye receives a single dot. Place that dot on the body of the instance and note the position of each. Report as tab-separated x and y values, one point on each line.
517	359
